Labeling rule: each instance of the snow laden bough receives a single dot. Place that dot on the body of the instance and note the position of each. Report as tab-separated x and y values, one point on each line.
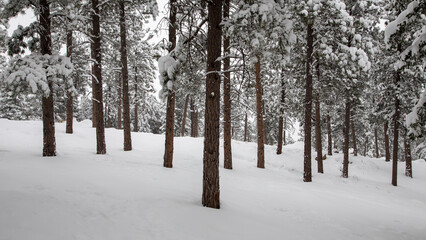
33	72
168	67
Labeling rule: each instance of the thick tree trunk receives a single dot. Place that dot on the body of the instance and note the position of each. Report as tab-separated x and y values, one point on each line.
97	79
125	78
245	127
395	135
185	110
330	142
376	144
119	98
318	138
346	130
408	165
49	143
307	174
387	149
227	150
70	110
281	136
211	193
354	137
259	110
136	125
170	111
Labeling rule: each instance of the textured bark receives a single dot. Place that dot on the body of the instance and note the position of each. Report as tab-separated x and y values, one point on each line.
259	111
307	162
354	137
49	143
170	111
376	144
408	165
125	78
70	110
330	142
97	80
227	149
119	101
211	193
281	137
185	110
346	129
245	127
318	139
387	153
395	135
136	125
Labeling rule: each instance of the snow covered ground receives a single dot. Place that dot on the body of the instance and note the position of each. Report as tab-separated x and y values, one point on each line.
130	195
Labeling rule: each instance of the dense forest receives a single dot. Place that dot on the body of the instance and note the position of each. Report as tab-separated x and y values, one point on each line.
344	76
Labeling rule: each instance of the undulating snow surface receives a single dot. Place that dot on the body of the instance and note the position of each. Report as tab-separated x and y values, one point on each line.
130	195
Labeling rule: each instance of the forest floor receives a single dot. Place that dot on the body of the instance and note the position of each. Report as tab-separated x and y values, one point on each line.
130	195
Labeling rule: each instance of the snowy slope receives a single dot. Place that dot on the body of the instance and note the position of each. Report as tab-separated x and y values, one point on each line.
130	195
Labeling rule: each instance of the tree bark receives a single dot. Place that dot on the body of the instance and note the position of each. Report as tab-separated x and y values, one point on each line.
387	152
125	78
318	139
259	110
70	110
97	79
307	175
185	110
366	146
136	125
281	137
395	134
119	107
170	111
408	165
354	137
49	143
376	144
194	120
330	143
211	193
227	150
245	127
346	130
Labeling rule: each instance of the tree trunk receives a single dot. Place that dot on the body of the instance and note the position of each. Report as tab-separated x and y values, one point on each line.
395	135
69	124
318	139
136	126
211	193
387	153
119	91
408	165
265	131
49	143
97	79
330	143
307	175
245	127
366	146
185	110
281	136
259	110
376	144
346	130
125	77
227	150
194	124
170	112
354	137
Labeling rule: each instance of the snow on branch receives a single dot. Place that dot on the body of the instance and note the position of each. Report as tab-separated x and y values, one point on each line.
393	26
35	71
